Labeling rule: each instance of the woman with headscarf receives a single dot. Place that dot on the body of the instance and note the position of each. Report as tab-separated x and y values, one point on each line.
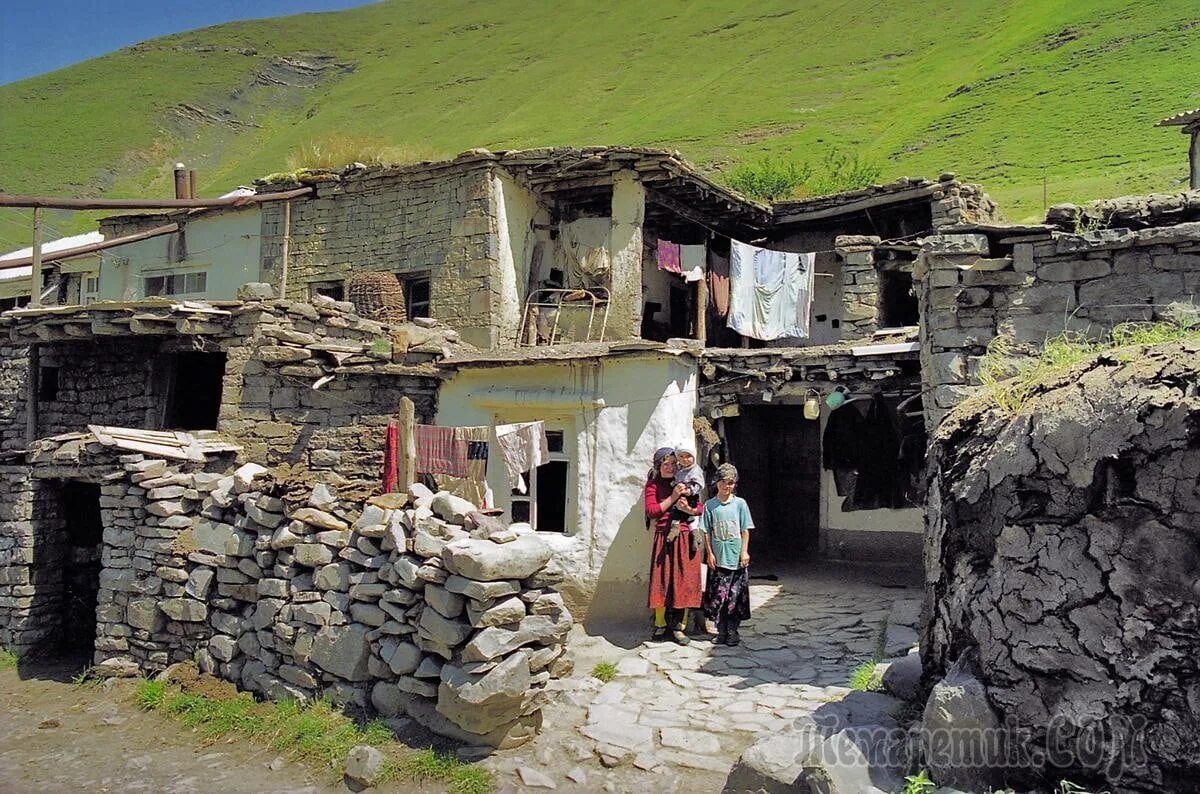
674	559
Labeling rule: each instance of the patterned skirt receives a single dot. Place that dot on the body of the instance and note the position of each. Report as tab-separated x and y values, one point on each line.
727	594
674	572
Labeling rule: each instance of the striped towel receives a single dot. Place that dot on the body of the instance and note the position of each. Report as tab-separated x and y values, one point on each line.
439	451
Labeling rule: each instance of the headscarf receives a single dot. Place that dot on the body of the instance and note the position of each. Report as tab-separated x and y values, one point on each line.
727	471
685	449
660	454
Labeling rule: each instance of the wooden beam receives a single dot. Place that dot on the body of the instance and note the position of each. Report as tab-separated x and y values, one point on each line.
849	207
54	202
90	248
35	261
407	446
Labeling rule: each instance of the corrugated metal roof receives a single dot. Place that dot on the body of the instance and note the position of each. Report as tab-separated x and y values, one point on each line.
61	244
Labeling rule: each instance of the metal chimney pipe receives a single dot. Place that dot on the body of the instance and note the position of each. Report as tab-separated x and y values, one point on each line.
180	181
192	184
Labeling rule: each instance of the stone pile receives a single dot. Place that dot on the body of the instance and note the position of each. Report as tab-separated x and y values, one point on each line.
416	604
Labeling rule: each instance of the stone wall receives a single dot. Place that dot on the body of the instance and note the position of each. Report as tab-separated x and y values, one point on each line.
286	589
440	220
975	287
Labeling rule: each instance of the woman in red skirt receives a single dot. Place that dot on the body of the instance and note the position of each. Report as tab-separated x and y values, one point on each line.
674	557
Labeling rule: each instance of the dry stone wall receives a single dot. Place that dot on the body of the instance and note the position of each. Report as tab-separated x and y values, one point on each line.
439	220
434	610
975	287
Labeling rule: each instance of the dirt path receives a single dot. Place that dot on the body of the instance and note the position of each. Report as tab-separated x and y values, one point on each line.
55	736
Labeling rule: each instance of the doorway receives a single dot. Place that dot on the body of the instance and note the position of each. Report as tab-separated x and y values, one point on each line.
194	393
778	456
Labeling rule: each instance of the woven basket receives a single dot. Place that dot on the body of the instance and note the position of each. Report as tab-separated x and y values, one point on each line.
378	296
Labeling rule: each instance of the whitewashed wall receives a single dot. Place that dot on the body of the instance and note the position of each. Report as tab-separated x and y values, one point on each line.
615	412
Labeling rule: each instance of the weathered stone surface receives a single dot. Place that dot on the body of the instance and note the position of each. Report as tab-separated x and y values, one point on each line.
342	651
251	477
958	706
480	704
335	576
510	610
482	591
448	604
1042	529
452	508
184	610
444	630
496	641
485	561
403	658
513	734
774	764
312	554
363	765
143	614
320	518
902	677
212	536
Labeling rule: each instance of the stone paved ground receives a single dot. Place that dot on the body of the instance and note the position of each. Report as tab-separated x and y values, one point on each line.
677	718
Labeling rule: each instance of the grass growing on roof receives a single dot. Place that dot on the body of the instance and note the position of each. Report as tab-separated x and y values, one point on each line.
1010	379
1061	92
316	734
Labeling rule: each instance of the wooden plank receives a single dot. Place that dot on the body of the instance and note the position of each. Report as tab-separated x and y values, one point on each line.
407	464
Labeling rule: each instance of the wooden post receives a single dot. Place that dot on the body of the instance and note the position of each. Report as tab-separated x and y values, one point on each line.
287	244
35	270
1194	158
407	446
702	309
31	394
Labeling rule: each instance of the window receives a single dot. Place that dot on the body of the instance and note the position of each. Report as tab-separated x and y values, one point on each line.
177	284
194	390
897	301
48	384
91	289
416	295
330	289
544	507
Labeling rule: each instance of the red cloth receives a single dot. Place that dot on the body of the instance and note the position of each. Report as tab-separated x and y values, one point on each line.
668	256
674	565
391	449
440	451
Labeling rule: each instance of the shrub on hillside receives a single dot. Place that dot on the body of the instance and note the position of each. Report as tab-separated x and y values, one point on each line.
773	179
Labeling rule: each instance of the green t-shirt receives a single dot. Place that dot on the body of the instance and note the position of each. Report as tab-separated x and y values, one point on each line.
724	523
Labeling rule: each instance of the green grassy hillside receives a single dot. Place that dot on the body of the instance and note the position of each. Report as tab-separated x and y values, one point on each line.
1007	92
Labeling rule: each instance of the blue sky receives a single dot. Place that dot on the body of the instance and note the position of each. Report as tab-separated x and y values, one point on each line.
39	36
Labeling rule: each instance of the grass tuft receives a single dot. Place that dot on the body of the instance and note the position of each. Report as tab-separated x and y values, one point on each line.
316	734
338	151
605	671
1010	379
8	659
864	679
919	783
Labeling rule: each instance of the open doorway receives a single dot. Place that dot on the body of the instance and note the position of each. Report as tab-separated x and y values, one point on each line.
194	391
778	456
83	534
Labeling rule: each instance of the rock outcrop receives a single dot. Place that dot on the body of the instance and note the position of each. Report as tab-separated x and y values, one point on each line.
1063	548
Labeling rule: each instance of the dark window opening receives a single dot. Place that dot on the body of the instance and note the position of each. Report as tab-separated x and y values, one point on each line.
8	303
544	505
83	533
194	396
897	303
875	447
416	296
681	312
48	384
335	290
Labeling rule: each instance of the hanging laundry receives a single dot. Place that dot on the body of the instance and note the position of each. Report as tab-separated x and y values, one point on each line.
437	451
691	261
770	292
668	256
391	449
584	241
718	282
523	447
472	485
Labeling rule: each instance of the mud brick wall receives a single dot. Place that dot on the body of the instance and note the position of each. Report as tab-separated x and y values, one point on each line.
441	221
973	289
